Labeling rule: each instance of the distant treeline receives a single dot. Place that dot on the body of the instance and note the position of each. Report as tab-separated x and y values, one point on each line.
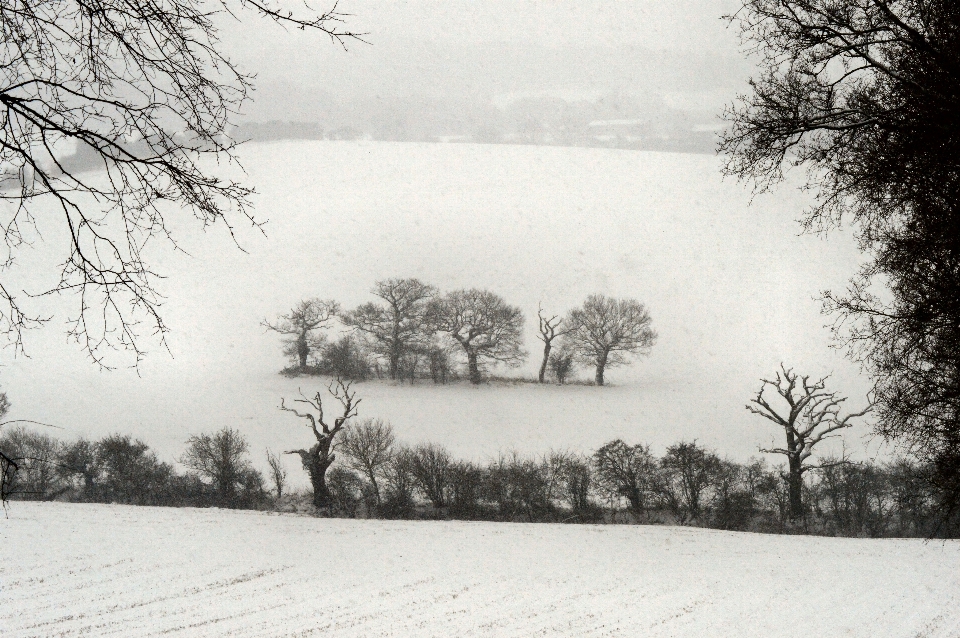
617	121
414	331
377	477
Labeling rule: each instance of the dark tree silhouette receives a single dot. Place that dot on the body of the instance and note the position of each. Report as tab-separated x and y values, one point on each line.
626	471
864	96
562	363
812	414
399	326
318	458
146	90
485	326
430	466
550	329
607	330
301	325
687	472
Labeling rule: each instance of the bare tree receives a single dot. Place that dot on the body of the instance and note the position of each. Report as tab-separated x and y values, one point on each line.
400	484
397	327
687	472
562	363
368	446
485	326
811	415
301	324
222	458
277	473
32	464
8	466
626	471
430	466
320	456
146	90
550	328
607	330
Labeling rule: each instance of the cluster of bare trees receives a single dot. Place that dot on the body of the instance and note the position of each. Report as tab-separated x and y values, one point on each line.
120	469
414	331
376	476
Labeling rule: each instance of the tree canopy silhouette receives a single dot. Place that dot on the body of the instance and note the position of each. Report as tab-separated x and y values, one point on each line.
865	95
144	91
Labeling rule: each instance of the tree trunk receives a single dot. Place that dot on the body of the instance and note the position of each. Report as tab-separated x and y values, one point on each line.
543	365
303	350
474	368
795	488
316	465
601	364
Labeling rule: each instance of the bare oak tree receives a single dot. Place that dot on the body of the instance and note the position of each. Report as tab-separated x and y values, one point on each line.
811	415
607	330
320	456
146	91
550	329
397	327
300	325
485	326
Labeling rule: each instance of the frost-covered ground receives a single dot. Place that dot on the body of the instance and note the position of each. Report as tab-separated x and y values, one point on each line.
97	570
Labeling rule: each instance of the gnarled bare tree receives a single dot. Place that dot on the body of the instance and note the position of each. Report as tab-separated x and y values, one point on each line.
300	325
145	90
607	330
812	414
398	327
317	459
485	326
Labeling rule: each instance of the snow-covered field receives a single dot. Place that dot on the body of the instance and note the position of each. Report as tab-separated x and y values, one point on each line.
98	570
730	285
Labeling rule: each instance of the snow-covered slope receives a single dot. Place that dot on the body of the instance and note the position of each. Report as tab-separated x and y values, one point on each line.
97	570
729	284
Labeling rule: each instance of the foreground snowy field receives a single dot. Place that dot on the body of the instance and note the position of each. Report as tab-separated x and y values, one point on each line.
97	570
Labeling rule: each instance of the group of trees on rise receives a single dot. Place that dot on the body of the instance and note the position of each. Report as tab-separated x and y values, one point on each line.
415	331
357	468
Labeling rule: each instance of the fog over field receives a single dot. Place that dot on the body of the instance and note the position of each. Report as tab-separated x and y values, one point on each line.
731	287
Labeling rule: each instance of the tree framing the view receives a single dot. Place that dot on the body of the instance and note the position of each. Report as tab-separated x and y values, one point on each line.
863	94
145	88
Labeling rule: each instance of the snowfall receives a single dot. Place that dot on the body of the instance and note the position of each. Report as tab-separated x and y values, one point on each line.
110	570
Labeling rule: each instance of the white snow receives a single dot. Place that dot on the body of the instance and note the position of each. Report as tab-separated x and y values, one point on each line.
98	570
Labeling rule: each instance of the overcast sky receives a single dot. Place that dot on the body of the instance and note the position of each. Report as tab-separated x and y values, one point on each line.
681	47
